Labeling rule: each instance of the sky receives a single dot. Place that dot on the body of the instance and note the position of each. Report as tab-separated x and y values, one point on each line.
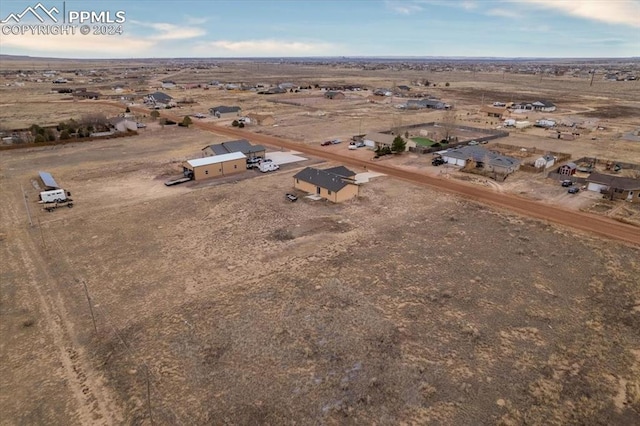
326	28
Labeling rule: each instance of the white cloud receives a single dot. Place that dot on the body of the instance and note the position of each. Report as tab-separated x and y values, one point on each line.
626	12
265	48
503	13
165	31
403	7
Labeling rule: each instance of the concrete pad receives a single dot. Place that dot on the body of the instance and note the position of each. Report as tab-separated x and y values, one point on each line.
366	176
281	158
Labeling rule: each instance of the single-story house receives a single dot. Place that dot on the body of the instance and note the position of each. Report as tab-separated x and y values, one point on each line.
494	111
544	106
616	187
262	119
240	145
334	95
545	161
122	124
335	184
485	159
159	99
426	103
378	140
225	111
217	165
568	169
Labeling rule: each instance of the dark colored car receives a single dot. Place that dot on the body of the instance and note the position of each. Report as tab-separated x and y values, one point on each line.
567	183
325	143
573	190
437	161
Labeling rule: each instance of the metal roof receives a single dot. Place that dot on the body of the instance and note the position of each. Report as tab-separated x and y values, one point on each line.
216	159
48	180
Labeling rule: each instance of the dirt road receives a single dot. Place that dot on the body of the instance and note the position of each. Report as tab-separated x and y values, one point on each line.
598	225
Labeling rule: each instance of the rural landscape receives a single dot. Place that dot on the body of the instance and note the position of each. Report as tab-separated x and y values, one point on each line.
320	241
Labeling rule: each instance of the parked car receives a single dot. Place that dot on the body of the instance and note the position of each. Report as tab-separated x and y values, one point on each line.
438	161
140	125
473	143
566	183
484	142
335	141
265	160
291	197
326	143
352	145
268	167
573	190
199	115
253	162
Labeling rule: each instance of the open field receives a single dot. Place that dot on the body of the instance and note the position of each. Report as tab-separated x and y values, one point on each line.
223	303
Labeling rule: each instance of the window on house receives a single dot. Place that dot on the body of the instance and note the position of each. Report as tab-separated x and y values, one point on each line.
235	166
329	192
206	172
297	181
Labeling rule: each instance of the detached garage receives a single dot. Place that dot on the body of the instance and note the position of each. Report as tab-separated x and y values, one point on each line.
218	165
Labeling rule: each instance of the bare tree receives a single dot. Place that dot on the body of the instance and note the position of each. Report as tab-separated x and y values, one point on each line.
448	124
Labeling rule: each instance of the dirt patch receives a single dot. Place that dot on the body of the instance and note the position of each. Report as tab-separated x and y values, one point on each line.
613	111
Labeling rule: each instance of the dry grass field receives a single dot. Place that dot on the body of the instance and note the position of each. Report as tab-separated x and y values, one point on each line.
224	303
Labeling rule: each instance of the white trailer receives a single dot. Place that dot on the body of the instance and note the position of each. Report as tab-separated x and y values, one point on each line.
55	198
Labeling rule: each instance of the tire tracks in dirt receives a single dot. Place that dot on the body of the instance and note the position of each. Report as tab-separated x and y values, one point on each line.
94	405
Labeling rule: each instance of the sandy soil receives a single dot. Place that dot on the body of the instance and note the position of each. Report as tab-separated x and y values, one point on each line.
224	303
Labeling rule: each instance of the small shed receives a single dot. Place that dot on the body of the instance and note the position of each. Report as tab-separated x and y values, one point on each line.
545	161
568	169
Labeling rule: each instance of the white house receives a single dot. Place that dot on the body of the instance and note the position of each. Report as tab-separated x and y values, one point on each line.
545	161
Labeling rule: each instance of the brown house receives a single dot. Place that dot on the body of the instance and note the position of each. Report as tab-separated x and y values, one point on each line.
217	165
493	111
335	184
240	145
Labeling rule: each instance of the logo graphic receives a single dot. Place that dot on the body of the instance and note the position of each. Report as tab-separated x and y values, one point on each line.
34	11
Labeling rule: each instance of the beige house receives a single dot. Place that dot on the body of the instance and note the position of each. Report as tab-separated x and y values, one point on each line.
335	184
262	119
217	165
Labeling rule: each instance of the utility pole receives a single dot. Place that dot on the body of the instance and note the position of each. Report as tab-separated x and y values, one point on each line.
593	73
93	318
24	196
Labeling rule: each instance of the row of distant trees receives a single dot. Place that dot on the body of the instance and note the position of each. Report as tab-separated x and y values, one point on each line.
82	128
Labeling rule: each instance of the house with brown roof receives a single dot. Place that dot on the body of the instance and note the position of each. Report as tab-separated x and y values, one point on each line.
615	187
494	111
